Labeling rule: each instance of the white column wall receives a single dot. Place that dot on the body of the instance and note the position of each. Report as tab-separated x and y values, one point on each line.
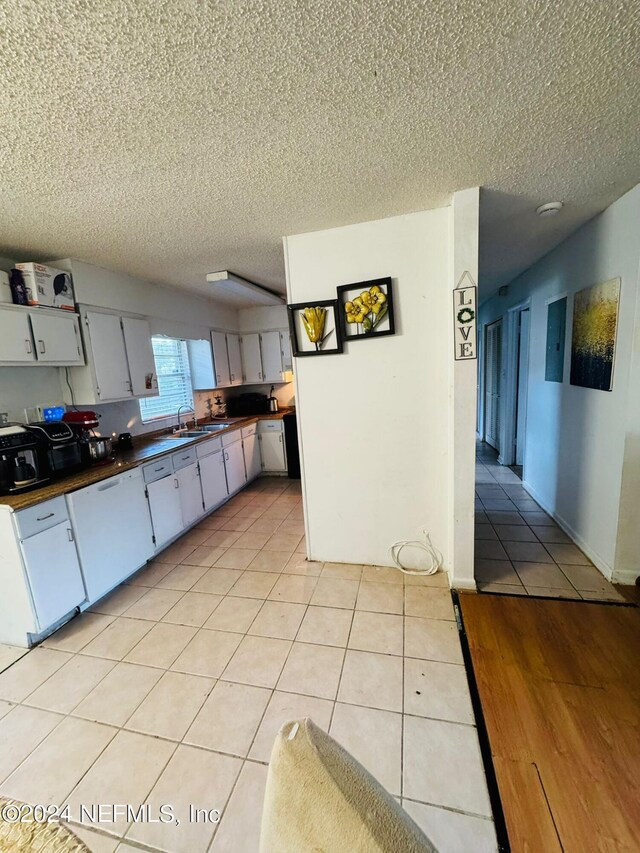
374	421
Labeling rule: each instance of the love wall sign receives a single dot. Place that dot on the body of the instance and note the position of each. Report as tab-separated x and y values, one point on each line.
464	318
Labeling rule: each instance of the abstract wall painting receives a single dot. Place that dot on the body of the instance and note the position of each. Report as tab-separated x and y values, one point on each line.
595	320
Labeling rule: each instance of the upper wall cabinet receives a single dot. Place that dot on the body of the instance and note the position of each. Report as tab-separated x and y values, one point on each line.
266	356
226	358
39	337
121	364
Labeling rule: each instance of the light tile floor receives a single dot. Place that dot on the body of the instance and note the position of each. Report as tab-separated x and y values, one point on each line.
172	688
519	549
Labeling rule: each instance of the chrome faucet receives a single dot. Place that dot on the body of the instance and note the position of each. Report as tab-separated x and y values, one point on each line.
189	408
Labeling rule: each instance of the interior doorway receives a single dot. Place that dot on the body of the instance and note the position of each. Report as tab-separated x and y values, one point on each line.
492	384
522	377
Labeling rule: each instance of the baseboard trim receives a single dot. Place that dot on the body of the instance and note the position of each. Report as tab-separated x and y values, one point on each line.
463	583
595	558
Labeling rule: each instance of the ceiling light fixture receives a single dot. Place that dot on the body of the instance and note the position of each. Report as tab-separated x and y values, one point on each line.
551	208
229	284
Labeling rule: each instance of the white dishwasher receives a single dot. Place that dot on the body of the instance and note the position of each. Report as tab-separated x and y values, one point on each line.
113	530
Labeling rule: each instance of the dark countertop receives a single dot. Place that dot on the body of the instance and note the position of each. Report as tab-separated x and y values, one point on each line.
145	448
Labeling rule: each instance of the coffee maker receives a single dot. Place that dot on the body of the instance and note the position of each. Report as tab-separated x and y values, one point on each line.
19	467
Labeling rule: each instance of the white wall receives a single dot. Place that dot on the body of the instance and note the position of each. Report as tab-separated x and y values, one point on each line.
373	421
576	437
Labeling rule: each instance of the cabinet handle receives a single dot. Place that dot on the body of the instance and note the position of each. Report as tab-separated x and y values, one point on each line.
28	343
226	456
233	378
218	379
177	483
161	468
185	457
44	517
108	485
280	438
43	348
70	534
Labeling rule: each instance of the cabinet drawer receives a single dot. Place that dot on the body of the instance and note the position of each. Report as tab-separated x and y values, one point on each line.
270	426
183	458
231	437
250	430
157	470
41	517
206	448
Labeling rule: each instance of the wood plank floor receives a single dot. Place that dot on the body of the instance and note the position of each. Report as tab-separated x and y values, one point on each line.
559	683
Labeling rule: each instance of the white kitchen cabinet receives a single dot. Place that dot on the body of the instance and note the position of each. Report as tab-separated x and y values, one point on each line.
235	358
221	359
251	359
142	365
39	336
271	356
213	479
53	570
285	348
109	356
56	337
190	494
252	459
201	365
16	341
166	509
234	466
120	360
272	446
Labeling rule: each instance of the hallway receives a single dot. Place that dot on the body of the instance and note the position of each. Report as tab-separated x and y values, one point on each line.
519	549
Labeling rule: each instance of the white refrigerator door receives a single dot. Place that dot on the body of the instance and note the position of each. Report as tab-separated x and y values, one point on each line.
54	573
113	530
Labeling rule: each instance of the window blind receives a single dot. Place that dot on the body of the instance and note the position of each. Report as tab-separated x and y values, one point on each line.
174	379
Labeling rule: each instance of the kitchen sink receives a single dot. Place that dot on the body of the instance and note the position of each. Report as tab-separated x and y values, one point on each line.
198	432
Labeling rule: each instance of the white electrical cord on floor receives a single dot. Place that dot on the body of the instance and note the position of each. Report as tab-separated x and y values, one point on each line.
432	551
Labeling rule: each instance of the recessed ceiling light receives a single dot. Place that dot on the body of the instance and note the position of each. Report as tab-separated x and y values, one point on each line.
550	208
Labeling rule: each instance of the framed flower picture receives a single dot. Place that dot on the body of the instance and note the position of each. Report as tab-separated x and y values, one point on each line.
314	328
366	309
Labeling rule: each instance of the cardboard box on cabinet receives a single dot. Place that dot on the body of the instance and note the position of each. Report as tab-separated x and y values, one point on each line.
47	286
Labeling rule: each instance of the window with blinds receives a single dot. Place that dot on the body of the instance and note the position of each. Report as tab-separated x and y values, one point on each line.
174	379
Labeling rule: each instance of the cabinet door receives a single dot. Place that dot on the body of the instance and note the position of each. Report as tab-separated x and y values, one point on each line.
166	509
213	479
57	338
16	343
234	465
201	365
220	358
272	451
235	359
271	356
54	574
190	494
109	356
142	366
285	347
252	460
251	359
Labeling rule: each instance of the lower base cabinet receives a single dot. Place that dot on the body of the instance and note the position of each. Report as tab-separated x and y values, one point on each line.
272	448
190	494
166	509
252	459
234	466
213	479
54	575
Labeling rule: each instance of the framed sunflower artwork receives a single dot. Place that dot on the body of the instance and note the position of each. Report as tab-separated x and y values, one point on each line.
366	309
314	328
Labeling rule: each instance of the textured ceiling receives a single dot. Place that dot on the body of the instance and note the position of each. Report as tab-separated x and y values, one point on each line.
169	139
